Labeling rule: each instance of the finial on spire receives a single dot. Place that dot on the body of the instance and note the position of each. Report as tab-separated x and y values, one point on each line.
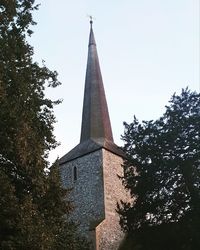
91	20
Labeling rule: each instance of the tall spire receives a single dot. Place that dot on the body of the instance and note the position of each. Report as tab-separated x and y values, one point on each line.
96	132
95	116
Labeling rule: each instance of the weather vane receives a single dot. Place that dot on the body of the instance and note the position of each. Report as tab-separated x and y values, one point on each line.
91	19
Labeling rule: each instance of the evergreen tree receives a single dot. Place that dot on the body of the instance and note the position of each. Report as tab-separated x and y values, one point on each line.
162	172
33	206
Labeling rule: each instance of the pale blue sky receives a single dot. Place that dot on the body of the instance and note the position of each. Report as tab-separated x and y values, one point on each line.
148	49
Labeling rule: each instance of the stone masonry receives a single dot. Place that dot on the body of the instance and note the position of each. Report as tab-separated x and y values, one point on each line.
95	194
87	191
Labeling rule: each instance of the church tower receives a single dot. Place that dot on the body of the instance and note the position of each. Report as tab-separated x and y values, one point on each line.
91	169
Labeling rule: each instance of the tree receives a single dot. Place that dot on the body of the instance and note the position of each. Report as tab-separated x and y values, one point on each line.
162	172
8	213
33	207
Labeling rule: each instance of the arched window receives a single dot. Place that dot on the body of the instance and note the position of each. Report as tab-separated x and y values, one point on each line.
75	173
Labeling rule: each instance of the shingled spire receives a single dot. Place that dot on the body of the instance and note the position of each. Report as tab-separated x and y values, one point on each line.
95	116
96	132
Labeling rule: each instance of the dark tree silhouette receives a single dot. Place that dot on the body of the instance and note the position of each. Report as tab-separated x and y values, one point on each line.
162	172
33	206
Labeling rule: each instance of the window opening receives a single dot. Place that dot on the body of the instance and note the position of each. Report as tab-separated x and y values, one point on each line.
75	173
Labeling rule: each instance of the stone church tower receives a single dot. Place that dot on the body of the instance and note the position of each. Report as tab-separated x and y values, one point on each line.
91	169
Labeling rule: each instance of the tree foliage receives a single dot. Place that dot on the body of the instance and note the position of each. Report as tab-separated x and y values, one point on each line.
33	208
162	172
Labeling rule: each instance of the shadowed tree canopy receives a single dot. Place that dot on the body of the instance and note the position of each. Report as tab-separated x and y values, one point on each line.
162	172
33	208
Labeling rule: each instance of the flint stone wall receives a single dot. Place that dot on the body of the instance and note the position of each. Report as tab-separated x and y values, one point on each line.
95	194
109	234
87	192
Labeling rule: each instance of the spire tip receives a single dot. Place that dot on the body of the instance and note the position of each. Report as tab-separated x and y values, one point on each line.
91	20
